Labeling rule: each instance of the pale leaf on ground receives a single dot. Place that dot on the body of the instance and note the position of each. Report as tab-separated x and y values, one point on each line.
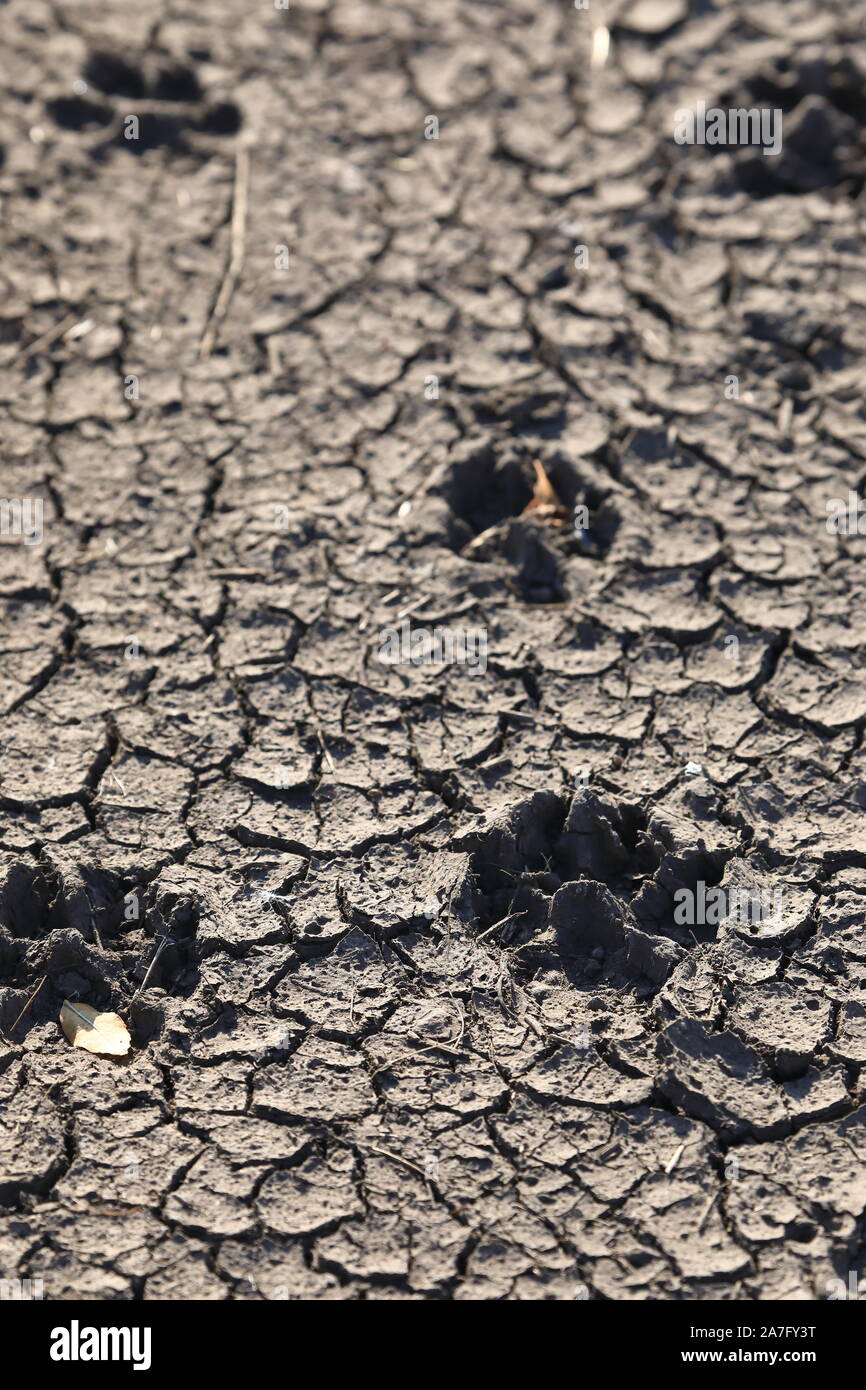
86	1027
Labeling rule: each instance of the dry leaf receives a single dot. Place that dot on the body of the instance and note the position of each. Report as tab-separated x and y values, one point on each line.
95	1032
544	498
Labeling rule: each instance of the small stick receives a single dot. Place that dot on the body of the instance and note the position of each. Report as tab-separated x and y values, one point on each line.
46	339
236	255
324	747
27	1005
413	1056
671	1165
396	1158
512	917
710	1204
166	940
412	607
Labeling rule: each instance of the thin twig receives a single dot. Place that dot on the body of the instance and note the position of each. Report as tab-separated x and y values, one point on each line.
324	747
396	1158
166	940
352	1005
412	607
672	1163
512	917
394	1062
27	1005
710	1204
46	339
236	255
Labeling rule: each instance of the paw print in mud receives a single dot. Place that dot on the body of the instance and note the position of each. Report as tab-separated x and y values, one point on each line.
608	894
143	104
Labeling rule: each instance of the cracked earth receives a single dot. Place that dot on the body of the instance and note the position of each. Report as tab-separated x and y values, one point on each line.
425	1025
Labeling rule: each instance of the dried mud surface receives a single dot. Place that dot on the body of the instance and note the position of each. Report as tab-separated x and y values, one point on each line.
426	1027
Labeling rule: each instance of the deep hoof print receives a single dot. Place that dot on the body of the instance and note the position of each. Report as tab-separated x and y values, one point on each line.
813	134
495	516
94	937
485	487
568	896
